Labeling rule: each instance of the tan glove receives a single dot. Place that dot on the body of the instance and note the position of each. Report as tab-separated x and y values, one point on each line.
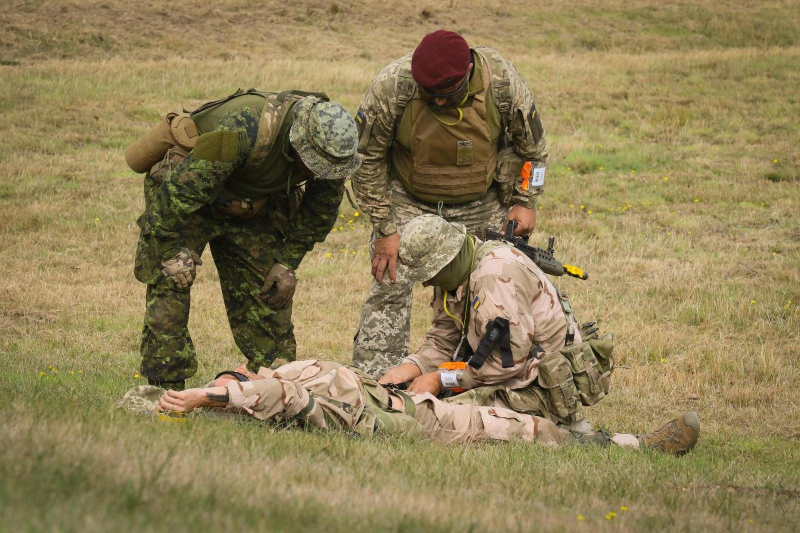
181	269
285	281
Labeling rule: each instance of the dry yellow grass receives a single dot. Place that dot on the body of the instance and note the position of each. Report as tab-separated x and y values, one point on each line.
673	179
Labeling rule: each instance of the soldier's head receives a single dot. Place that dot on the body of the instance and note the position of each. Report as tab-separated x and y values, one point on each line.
441	65
325	138
436	252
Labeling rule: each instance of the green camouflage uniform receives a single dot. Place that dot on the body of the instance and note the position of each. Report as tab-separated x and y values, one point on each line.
383	333
179	214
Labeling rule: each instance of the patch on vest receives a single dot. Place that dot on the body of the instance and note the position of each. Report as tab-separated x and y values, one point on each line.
463	153
218	146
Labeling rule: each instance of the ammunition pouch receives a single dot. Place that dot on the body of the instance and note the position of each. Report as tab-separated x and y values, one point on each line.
579	374
175	131
509	165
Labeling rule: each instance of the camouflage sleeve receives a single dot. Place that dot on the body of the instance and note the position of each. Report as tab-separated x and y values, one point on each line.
442	339
500	295
527	137
313	220
199	178
375	119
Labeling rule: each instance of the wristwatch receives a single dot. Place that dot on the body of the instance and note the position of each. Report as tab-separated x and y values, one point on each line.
384	228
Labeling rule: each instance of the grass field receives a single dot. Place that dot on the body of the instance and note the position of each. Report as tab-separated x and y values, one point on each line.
674	179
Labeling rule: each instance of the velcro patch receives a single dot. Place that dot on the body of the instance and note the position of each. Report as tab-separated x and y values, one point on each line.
218	146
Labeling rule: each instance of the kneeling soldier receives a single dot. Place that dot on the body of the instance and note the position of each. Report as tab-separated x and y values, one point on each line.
259	177
502	333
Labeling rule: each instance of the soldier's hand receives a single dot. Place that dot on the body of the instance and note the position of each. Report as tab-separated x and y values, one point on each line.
402	373
285	281
526	220
181	269
430	382
385	256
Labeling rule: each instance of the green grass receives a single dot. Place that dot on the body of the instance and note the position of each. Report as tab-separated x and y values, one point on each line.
672	180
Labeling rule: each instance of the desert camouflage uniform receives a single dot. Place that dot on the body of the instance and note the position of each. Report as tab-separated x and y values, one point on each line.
327	395
383	333
504	283
178	214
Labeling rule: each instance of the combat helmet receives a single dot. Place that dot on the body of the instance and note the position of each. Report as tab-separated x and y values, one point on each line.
325	137
427	244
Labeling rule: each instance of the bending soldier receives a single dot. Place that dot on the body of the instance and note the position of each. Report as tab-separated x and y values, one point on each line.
327	395
450	130
261	184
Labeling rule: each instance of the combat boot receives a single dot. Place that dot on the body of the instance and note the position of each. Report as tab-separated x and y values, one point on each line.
676	437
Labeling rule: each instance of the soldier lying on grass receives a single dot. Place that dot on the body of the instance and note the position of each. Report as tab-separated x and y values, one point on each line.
327	395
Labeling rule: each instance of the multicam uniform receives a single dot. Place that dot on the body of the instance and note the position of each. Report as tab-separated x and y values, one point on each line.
239	190
416	162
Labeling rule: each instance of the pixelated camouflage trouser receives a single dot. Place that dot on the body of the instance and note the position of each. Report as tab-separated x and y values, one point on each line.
243	254
381	341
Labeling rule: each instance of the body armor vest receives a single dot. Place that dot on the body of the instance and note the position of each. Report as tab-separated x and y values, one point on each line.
451	164
266	170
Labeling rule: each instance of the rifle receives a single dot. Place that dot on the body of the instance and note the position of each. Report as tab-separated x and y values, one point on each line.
544	259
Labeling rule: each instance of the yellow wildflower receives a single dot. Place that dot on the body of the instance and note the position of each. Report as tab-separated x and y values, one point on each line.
136	376
97	219
341	228
42	373
589	211
666	178
752	301
696	200
581	517
601	168
572	205
774	160
328	255
623	508
356	214
80	371
341	216
612	514
569	168
583	207
663	360
71	372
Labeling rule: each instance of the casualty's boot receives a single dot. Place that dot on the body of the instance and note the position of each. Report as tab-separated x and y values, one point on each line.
676	437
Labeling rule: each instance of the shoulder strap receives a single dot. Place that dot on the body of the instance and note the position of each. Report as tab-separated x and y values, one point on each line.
500	82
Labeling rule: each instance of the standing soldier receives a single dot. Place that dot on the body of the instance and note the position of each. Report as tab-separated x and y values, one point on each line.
259	177
450	130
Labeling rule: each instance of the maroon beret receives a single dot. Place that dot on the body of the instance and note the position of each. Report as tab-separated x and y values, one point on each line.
441	60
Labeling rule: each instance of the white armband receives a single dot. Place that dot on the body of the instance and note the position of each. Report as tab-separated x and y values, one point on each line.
449	379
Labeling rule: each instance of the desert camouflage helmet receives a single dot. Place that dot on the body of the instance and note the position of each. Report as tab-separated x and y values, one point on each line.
325	136
427	244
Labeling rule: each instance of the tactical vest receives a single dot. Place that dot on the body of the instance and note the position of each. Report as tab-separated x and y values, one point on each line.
452	164
266	170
